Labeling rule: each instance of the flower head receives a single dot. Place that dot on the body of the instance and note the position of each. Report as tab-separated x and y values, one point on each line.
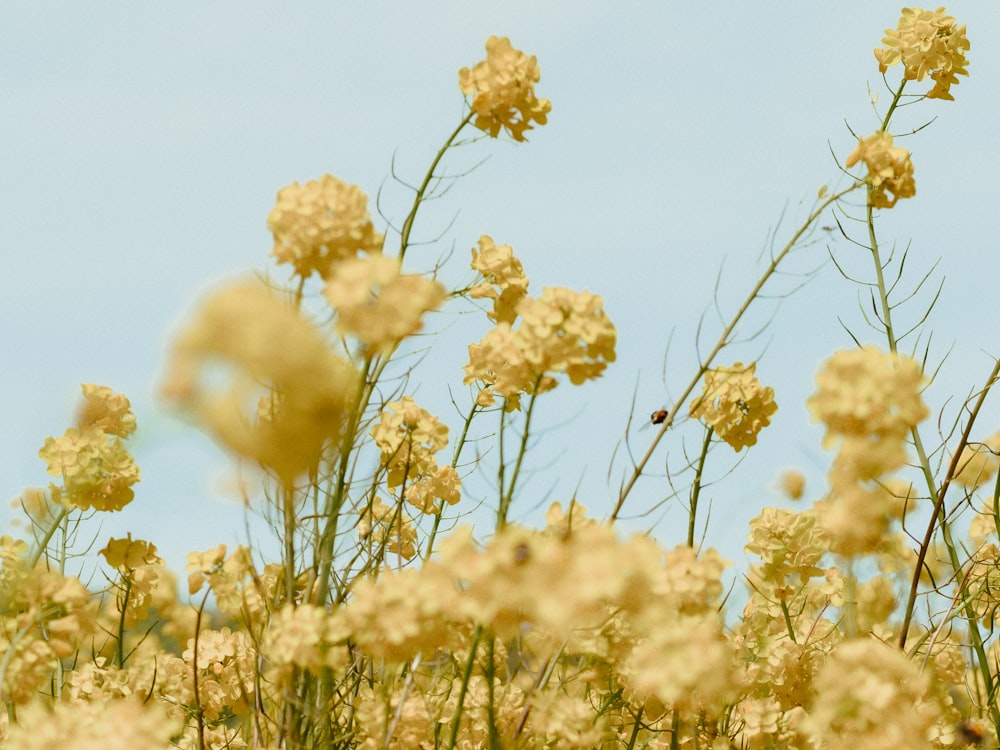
926	42
377	303
321	223
504	280
867	392
503	86
735	404
890	171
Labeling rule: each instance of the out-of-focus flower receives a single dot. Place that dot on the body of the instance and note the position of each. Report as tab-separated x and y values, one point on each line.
503	88
926	42
321	223
890	171
504	279
793	483
377	303
735	404
256	345
868	393
388	529
105	724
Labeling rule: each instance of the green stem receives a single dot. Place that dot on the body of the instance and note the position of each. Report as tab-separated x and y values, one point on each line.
464	687
720	344
404	238
696	487
507	496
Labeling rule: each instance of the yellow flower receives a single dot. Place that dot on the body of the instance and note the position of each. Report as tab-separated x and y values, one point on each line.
244	343
97	472
504	90
505	282
927	43
734	404
128	554
890	171
377	303
866	392
321	223
109	412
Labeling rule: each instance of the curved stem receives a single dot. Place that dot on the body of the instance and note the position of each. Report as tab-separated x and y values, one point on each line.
720	345
696	487
404	234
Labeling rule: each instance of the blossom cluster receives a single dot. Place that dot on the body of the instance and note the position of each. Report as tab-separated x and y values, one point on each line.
734	404
926	42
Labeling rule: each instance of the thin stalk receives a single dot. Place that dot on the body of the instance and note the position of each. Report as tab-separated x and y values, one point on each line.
464	687
507	496
696	487
404	234
720	345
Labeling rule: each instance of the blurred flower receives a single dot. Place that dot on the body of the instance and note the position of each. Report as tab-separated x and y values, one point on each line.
793	483
867	392
377	303
889	169
870	696
735	404
321	223
927	42
105	724
243	343
503	86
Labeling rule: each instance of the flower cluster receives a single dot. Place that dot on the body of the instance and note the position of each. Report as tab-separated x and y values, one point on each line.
869	401
926	42
321	223
561	331
735	404
503	89
96	470
504	280
377	303
890	171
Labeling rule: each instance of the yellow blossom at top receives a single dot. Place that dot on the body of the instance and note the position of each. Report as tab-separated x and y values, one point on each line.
735	404
503	88
377	303
867	392
890	171
505	282
321	223
926	42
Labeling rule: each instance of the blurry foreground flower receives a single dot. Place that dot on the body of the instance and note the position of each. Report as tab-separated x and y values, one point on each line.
735	404
926	42
107	724
503	89
321	223
890	171
266	356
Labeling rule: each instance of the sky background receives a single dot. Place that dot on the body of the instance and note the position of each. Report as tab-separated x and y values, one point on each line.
142	147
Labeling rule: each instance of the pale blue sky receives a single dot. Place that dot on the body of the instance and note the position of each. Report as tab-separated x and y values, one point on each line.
143	145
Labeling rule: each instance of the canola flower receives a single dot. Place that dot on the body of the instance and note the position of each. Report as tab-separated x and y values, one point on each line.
574	635
926	43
